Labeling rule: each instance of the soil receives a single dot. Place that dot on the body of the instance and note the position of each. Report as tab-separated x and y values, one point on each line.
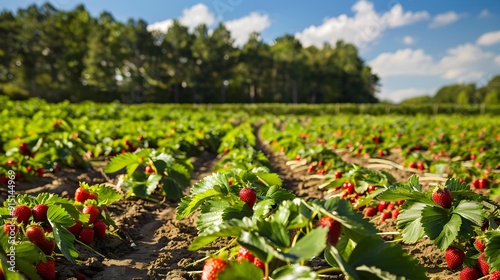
153	244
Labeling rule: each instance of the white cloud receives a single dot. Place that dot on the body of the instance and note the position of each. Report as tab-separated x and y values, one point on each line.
489	38
365	26
162	26
191	17
242	28
497	59
403	62
399	94
408	40
196	15
464	63
445	19
484	14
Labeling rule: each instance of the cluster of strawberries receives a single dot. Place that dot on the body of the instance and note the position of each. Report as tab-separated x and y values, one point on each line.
95	227
38	232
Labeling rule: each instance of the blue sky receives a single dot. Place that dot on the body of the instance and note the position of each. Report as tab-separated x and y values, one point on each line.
414	46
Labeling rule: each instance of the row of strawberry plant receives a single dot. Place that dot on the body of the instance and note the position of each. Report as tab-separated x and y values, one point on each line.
274	234
38	231
464	151
459	221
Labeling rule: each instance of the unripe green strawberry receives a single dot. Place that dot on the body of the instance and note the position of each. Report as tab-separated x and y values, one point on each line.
212	268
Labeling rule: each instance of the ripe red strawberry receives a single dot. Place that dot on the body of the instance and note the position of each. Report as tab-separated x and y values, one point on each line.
349	187
475	184
149	170
454	257
337	174
483	183
335	229
24	149
81	194
370	211
40	213
244	254
371	188
47	246
1	274
420	165
395	213
442	197
48	229
100	229
382	205
321	162
469	273
10	162
412	165
75	229
40	171
483	265
93	196
36	234
22	213
258	263
80	276
479	245
93	211
8	227
46	270
212	267
248	196
495	275
87	235
311	168
391	206
385	215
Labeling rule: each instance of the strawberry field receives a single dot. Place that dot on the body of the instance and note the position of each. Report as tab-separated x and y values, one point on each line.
112	191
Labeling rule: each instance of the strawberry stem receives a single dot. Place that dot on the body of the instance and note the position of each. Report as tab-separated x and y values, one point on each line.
329	270
90	248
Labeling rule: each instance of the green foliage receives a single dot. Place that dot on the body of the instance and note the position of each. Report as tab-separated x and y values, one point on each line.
71	55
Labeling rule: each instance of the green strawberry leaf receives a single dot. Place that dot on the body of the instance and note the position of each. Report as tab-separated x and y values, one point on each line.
180	174
471	211
441	226
241	271
127	160
309	246
257	245
346	268
228	229
171	188
58	219
270	179
410	222
492	250
189	204
274	232
106	195
395	263
354	225
8	274
294	272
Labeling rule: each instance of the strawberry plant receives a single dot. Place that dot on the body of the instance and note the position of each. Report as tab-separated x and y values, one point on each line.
168	172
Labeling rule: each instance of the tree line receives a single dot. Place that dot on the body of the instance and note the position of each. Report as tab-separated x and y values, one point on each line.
463	94
69	55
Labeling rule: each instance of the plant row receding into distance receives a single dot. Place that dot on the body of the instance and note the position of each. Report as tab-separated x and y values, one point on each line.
272	233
